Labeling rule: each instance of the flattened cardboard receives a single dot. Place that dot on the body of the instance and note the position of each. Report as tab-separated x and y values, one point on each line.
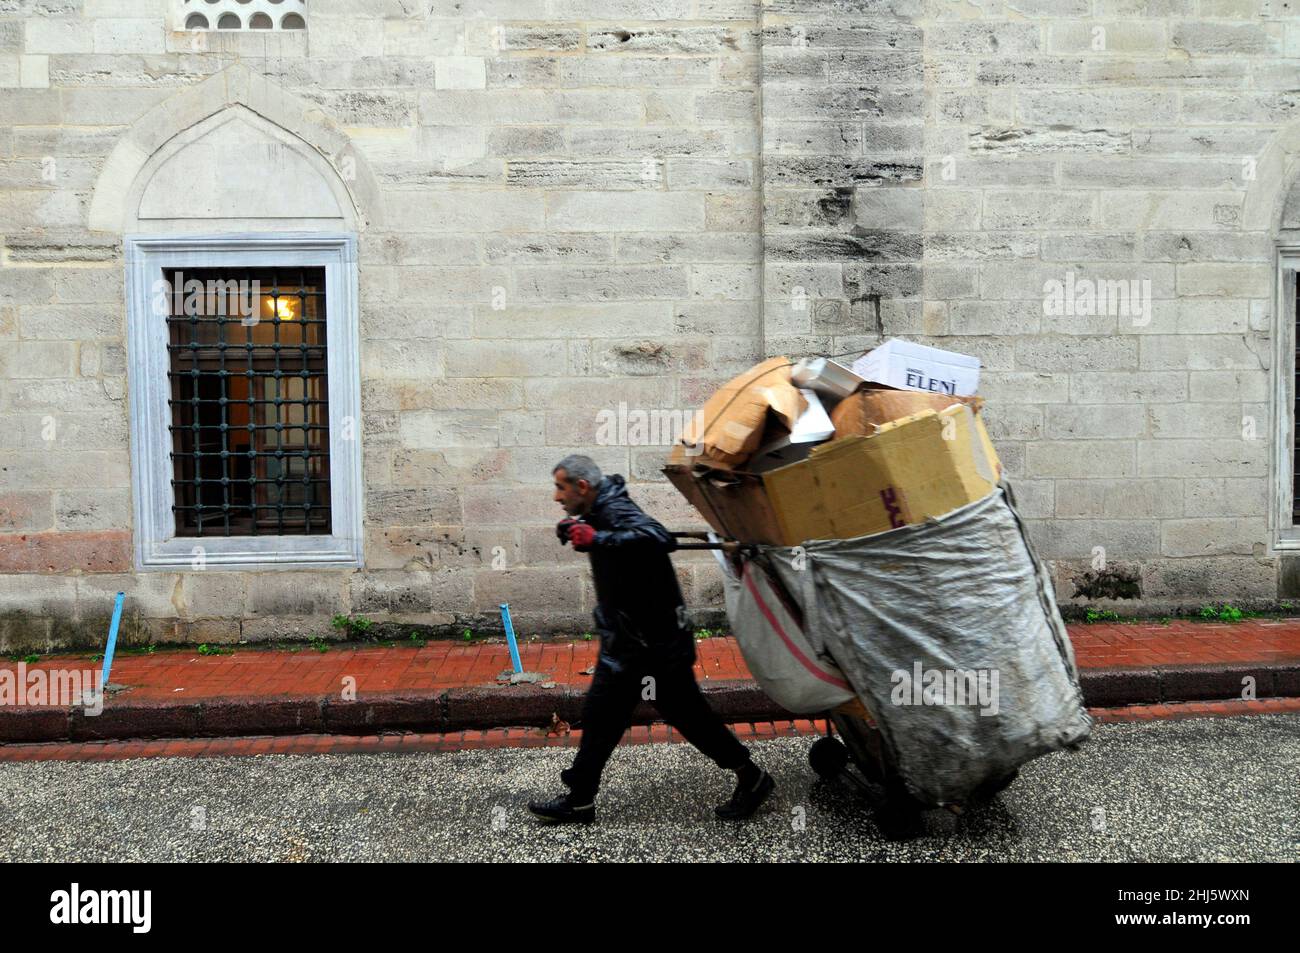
735	416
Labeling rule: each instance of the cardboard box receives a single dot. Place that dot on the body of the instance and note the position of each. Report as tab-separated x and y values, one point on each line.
912	469
900	363
832	381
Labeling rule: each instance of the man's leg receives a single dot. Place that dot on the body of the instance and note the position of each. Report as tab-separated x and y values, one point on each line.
679	699
606	715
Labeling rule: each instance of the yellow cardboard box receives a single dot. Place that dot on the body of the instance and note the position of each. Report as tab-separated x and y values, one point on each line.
910	470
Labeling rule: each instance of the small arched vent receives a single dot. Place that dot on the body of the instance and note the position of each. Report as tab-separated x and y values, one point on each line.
230	15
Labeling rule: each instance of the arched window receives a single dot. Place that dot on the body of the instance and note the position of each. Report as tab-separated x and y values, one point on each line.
196	21
254	334
228	21
260	21
293	21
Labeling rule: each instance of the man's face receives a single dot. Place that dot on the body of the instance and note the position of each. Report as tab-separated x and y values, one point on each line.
574	495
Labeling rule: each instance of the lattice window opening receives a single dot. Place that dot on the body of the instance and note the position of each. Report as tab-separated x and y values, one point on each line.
249	402
234	15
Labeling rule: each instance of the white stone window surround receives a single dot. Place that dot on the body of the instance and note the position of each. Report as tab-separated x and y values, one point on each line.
213	10
156	544
1286	533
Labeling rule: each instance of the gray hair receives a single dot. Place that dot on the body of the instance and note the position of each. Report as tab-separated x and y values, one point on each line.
578	467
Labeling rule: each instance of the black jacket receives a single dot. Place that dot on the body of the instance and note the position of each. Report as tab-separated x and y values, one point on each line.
639	605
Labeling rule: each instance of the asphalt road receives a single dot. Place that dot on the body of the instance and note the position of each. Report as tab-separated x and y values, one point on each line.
1225	789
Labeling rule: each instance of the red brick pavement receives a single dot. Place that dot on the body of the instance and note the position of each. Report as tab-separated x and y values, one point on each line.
183	674
1119	645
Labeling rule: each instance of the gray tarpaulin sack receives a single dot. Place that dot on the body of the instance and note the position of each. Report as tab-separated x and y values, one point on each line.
790	664
915	615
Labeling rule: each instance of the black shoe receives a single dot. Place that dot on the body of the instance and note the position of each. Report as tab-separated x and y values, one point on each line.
747	798
563	809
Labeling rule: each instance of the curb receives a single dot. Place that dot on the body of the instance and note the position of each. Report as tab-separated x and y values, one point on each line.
488	707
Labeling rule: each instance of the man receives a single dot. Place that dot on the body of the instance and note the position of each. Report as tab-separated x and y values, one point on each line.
646	647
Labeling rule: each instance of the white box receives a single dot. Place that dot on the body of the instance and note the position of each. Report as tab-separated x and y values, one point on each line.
911	366
830	380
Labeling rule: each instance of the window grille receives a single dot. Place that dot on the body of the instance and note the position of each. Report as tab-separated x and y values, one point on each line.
249	405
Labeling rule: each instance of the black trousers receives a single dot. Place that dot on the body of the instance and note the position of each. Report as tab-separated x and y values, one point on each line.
616	689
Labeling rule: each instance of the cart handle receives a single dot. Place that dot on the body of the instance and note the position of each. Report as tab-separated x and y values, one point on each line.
726	545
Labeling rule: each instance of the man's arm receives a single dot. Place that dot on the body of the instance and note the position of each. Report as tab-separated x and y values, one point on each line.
633	528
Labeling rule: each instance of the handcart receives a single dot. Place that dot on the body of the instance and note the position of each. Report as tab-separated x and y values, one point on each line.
858	757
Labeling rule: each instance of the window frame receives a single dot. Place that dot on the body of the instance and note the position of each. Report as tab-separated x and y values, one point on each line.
155	541
1286	532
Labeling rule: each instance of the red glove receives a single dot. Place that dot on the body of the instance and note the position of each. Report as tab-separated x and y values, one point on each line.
582	535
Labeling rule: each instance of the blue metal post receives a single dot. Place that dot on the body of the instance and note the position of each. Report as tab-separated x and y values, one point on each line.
510	637
112	643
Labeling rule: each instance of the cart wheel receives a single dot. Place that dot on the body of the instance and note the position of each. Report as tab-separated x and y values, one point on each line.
828	757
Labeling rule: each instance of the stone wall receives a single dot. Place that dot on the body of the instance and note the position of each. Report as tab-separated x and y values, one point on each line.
1119	140
1064	142
567	221
571	205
